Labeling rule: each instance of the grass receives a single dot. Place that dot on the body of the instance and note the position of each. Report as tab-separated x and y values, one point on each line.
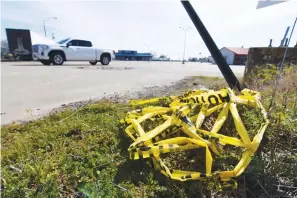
58	154
84	154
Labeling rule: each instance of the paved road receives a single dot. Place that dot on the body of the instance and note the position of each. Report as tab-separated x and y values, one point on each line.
30	89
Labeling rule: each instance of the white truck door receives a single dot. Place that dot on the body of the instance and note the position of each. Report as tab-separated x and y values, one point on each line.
72	50
86	51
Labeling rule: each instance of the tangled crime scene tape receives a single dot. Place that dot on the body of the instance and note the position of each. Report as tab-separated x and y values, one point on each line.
179	118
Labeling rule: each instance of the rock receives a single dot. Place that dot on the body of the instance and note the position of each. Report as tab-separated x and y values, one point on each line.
15	169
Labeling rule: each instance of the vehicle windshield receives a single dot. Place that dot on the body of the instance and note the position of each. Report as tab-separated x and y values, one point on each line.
63	41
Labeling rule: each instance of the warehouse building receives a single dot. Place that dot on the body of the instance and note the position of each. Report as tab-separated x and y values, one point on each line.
235	56
132	55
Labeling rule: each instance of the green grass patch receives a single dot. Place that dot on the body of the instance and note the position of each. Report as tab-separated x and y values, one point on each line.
62	152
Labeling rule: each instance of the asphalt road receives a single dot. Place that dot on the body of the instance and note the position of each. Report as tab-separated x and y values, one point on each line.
30	89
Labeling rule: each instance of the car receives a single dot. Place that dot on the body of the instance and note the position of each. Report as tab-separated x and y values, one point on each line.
71	49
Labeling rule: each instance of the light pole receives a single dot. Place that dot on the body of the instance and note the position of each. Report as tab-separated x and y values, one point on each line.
185	29
149	50
44	24
148	47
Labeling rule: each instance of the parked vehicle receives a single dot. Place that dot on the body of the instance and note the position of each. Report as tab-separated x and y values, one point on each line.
71	49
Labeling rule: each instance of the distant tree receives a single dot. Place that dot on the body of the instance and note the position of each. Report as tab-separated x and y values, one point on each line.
4	43
162	56
4	47
193	59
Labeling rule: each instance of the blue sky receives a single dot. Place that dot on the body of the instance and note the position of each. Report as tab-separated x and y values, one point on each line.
137	24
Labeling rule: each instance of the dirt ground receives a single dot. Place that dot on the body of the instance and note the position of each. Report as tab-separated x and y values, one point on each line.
176	88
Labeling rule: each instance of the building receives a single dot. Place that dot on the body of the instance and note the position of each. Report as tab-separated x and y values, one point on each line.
210	58
132	55
161	59
235	56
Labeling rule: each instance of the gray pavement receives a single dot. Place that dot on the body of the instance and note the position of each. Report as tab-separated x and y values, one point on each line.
30	89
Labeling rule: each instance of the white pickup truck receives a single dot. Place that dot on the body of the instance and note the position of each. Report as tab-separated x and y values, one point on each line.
71	49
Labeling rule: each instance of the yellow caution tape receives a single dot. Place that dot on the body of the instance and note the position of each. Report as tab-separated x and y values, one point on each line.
182	117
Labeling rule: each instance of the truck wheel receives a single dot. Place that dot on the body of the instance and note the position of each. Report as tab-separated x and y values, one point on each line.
46	62
105	59
57	58
93	63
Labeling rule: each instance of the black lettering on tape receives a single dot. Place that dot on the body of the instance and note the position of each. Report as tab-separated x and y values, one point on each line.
215	98
192	99
144	148
140	154
224	98
197	100
202	99
133	155
178	113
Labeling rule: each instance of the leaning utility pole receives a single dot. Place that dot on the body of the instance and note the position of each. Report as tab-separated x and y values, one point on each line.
212	47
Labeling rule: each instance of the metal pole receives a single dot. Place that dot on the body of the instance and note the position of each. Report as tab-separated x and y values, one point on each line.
212	47
44	24
285	36
185	46
185	41
281	67
270	44
44	29
286	50
286	42
149	50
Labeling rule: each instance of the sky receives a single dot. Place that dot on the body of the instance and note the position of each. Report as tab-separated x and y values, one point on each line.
153	26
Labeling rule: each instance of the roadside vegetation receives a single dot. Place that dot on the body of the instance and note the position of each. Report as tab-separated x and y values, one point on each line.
83	152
